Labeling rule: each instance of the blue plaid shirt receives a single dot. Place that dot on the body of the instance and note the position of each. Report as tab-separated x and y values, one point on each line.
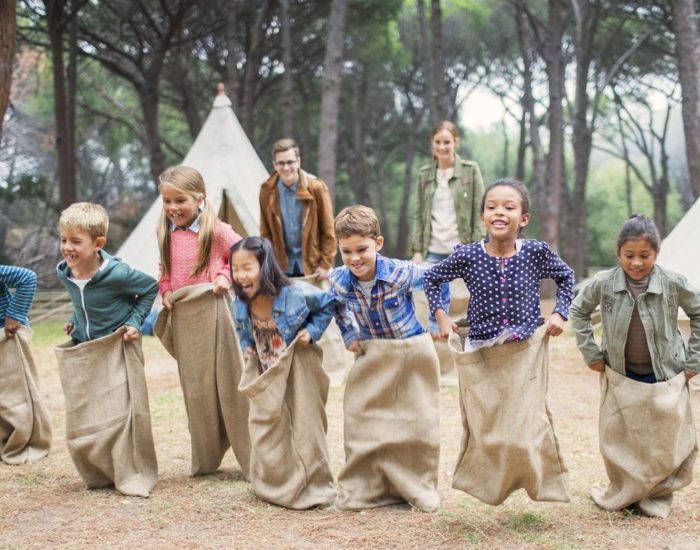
388	312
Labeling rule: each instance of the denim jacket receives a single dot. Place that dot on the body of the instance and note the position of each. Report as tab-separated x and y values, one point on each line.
298	306
658	310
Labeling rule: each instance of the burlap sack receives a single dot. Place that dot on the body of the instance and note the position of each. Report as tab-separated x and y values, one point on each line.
459	301
392	433
508	441
198	332
25	423
335	358
108	422
287	423
648	442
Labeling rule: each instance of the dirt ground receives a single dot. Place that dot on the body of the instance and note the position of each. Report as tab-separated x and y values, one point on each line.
46	505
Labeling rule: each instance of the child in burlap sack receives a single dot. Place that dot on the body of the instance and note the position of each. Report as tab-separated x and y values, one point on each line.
390	407
25	424
108	426
277	320
509	441
647	434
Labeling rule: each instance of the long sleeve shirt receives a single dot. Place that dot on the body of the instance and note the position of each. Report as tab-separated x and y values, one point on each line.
16	305
505	292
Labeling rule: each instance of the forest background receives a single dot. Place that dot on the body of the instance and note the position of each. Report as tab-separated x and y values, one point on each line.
598	102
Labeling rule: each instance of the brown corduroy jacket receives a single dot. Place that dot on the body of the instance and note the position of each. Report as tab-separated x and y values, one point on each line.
318	245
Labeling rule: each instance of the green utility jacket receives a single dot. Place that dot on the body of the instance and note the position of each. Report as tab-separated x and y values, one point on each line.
658	310
467	190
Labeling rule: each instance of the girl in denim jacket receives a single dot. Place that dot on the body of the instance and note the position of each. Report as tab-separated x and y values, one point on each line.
270	309
646	432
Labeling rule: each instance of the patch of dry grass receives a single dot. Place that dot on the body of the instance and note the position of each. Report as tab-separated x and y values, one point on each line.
45	504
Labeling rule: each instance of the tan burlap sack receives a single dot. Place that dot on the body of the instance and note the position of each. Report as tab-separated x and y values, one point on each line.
392	433
459	301
648	442
25	423
335	358
198	332
508	441
108	422
287	423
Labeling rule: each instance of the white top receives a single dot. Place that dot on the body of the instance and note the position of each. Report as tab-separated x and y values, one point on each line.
444	234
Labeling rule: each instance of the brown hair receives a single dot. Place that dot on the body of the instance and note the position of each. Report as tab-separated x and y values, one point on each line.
356	220
285	144
189	181
85	216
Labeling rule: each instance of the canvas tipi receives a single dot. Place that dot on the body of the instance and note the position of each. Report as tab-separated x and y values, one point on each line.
233	173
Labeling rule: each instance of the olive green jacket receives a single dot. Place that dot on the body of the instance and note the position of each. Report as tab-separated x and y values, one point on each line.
467	189
658	310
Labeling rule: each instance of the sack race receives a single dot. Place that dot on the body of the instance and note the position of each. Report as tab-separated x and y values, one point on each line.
108	421
199	333
287	423
648	442
25	423
459	301
508	439
391	420
334	354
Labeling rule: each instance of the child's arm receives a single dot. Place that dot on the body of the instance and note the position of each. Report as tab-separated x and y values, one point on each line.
164	286
24	282
453	267
418	283
321	307
689	301
555	268
225	234
344	319
583	306
144	289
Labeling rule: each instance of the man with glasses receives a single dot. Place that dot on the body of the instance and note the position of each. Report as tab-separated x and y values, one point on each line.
296	214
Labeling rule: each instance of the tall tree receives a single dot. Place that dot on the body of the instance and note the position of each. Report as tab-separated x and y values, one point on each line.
332	65
8	23
685	27
287	77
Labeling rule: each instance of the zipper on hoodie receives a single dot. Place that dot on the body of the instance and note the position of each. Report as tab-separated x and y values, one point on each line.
82	304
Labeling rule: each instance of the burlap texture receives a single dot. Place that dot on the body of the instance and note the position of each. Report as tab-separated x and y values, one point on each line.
648	442
391	420
508	439
199	333
459	301
108	422
287	424
334	355
25	423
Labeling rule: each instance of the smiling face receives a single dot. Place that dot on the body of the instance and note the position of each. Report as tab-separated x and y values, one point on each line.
637	257
245	270
359	254
287	164
444	146
80	251
503	214
181	208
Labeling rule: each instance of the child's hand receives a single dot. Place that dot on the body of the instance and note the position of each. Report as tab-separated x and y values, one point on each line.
166	300
221	285
68	327
131	333
554	324
598	366
445	325
417	258
689	374
250	353
321	274
304	337
356	347
11	326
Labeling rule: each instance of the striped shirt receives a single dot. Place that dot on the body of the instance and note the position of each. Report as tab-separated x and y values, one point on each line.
16	306
388	311
637	356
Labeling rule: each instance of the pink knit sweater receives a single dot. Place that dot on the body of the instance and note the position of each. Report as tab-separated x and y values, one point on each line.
184	250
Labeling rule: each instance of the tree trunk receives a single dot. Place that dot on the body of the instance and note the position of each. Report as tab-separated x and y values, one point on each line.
359	183
332	64
426	52
148	94
231	83
522	146
252	65
438	61
684	22
8	23
287	82
404	229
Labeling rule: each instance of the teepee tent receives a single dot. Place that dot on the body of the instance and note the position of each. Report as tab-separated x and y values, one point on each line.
233	173
678	253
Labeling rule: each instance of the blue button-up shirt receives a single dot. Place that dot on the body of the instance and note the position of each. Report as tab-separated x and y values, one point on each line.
291	225
388	311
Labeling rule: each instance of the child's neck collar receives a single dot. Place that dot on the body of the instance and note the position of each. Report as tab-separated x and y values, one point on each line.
501	249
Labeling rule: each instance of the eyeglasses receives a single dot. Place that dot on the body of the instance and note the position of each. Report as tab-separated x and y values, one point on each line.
284	163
